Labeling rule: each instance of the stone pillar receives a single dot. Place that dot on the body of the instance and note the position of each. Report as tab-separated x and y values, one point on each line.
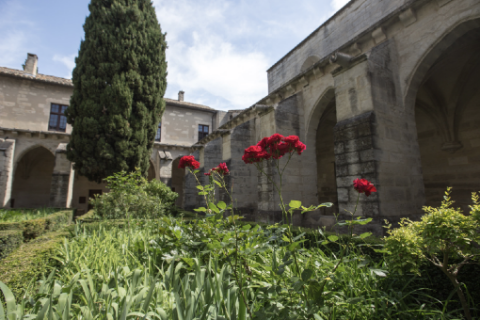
191	199
242	181
7	151
61	187
375	139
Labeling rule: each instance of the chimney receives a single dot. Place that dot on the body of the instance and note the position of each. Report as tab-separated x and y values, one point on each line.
31	63
181	95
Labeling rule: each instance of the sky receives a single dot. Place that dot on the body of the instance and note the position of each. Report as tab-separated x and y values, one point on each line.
218	50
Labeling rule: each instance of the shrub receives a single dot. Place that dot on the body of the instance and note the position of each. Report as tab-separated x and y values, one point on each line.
9	241
131	196
23	267
32	229
444	237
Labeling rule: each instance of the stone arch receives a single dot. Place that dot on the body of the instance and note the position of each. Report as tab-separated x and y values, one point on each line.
309	62
431	56
443	97
151	174
21	151
320	150
178	180
32	178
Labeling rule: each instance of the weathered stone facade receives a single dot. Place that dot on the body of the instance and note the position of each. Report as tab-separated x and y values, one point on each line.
384	90
34	170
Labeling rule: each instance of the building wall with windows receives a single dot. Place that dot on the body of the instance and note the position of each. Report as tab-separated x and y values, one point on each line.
34	171
27	104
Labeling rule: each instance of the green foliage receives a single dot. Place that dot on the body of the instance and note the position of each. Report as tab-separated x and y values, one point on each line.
24	266
131	196
18	215
9	241
444	237
119	82
441	231
32	229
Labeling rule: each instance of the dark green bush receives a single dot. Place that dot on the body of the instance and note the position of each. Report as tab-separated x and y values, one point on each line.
9	241
131	196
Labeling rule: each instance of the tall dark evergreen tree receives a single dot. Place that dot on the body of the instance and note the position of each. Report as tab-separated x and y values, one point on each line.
119	82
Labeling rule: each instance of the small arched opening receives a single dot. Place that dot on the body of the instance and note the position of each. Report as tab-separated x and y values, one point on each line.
178	176
32	179
151	172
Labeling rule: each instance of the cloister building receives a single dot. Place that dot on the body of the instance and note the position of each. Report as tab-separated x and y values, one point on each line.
387	90
34	170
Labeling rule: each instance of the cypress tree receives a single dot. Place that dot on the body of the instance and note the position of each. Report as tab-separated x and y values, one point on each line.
119	82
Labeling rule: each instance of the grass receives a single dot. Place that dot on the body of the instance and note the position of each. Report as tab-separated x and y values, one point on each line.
18	215
22	268
167	269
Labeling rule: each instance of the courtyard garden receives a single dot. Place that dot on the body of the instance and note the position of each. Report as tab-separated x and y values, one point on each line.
136	256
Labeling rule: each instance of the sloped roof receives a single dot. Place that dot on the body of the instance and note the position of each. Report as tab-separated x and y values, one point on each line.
187	104
39	77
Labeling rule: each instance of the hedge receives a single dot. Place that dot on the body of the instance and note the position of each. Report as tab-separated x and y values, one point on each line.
32	229
9	241
21	269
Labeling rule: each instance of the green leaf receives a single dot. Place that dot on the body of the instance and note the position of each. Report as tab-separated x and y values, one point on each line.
332	238
378	272
317	317
213	207
217	183
246	227
200	187
325	204
196	171
365	235
295	204
221	205
201	209
307	274
285	238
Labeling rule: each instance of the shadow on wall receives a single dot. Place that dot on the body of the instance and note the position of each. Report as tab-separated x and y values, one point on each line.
448	122
32	179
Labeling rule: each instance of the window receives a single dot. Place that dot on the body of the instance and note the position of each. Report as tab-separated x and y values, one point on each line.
58	120
158	136
202	131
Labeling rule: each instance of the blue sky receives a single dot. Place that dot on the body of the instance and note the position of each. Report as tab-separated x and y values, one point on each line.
219	50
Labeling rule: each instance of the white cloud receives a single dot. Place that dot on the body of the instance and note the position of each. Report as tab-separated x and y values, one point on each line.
338	4
216	68
68	61
219	51
13	46
15	41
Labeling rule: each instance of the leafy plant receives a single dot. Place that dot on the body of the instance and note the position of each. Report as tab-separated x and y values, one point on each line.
131	196
442	235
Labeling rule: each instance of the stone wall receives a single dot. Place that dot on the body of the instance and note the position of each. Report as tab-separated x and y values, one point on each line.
25	104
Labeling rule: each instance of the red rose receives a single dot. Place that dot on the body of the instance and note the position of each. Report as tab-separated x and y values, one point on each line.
364	186
291	140
300	147
222	169
274	139
188	161
252	154
263	143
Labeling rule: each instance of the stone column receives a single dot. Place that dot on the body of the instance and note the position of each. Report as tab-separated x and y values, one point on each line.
191	199
376	139
61	188
7	151
242	181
